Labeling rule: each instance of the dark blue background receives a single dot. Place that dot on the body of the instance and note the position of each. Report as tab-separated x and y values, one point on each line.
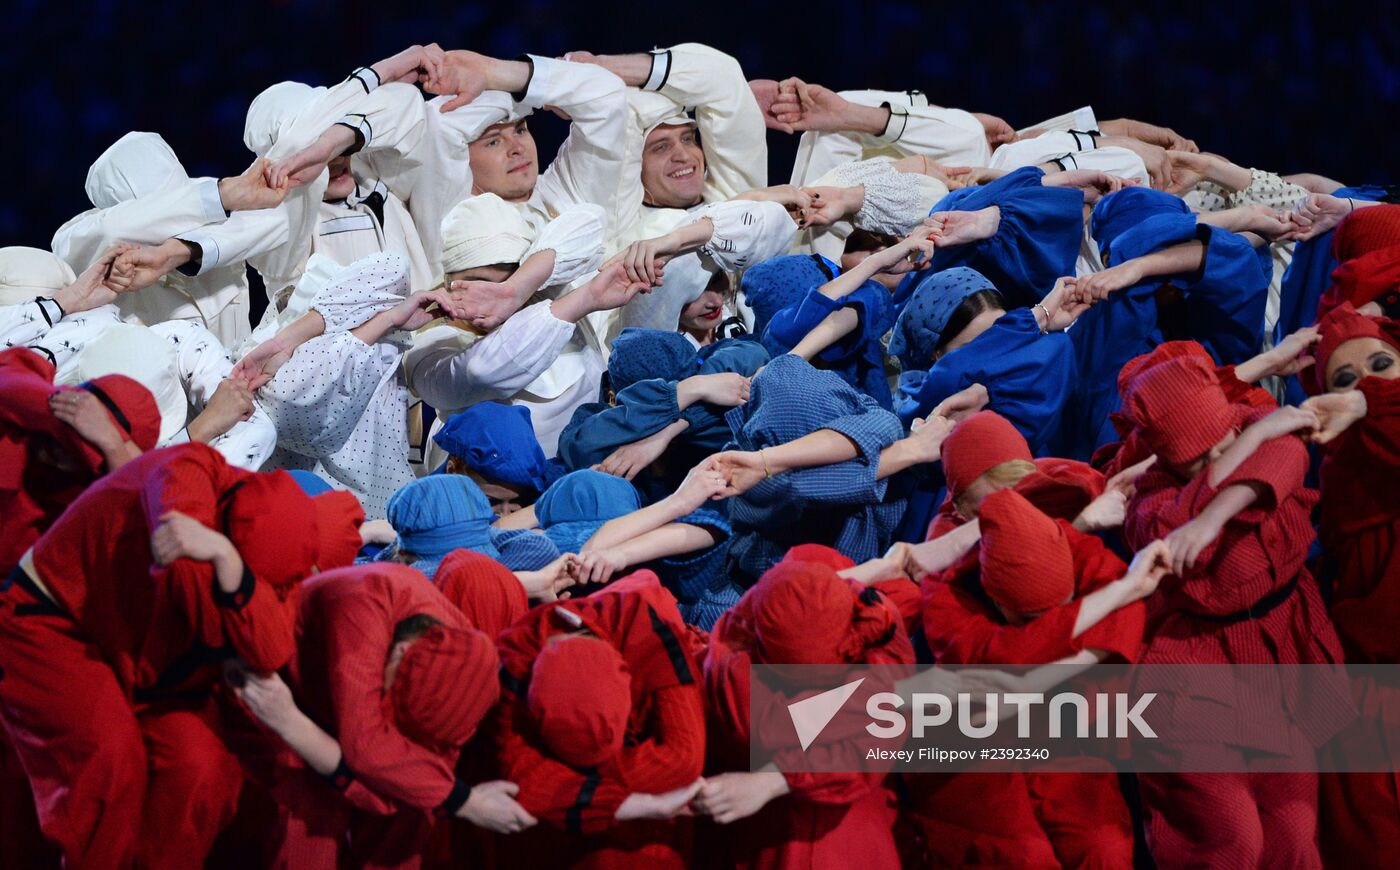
1287	87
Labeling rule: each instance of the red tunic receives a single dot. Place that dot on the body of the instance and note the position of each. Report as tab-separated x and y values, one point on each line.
665	741
828	819
155	625
1014	819
1360	529
33	492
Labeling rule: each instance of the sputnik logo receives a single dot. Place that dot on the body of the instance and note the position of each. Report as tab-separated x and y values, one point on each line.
811	715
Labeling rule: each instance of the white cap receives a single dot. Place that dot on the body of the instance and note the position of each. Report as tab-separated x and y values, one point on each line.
29	272
135	165
144	356
483	230
274	112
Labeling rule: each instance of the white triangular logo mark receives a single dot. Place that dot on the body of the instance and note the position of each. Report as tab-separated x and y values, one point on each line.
810	716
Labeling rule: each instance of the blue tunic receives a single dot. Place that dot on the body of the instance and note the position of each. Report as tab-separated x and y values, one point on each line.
859	357
703	588
842	505
1223	309
1038	239
781	282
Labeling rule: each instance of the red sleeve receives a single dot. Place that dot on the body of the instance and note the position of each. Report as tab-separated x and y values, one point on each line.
960	631
674	755
358	639
1120	633
1238	392
550	790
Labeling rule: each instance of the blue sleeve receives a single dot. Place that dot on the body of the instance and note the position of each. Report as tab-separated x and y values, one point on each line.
1225	305
524	549
742	356
642	409
1152	235
1036	243
791	324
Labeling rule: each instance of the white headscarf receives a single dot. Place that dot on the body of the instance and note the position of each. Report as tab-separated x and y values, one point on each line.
29	272
484	230
274	113
135	165
145	357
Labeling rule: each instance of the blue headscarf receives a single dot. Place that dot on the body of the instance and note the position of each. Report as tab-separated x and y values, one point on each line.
921	323
497	441
740	355
1121	211
639	354
781	283
579	503
437	514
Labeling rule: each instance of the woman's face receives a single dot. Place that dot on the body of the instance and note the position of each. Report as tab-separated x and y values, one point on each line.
980	324
704	313
1361	358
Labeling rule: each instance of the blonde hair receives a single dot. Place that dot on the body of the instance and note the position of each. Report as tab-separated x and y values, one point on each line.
1001	476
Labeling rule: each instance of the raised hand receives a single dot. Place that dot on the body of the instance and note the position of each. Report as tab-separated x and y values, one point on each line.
1110	509
253	188
744	470
953	228
1154	562
1095	185
1319	213
413	312
1291	355
549	582
705	482
928	436
817	108
613	288
1096	286
92	289
1335	412
483	304
267	698
461	74
729	797
492	806
998	131
86	415
629	460
964	403
1064	304
766	94
139	267
231	404
410	66
180	536
827	205
258	366
1286	421
726	389
1188	169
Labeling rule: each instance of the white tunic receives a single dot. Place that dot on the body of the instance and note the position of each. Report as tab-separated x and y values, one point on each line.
36	325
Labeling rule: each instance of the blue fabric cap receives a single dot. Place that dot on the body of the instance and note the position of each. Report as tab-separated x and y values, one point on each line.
437	514
496	441
781	282
586	496
921	323
638	354
1121	211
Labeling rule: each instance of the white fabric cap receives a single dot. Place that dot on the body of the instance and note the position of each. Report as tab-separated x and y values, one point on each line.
483	230
144	356
135	165
29	272
273	112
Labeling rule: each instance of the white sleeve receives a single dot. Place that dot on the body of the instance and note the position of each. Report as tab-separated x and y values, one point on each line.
66	339
27	322
147	220
746	232
362	290
244	235
203	364
588	166
731	125
1042	148
496	366
576	237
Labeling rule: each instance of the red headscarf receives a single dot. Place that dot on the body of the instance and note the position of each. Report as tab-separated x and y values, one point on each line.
338	520
485	590
821	554
978	444
1367	247
1342	324
803	613
1027	566
272	522
580	697
445	683
1179	409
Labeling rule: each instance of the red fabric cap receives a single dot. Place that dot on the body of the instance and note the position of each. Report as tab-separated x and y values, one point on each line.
1341	325
1179	408
445	684
821	554
802	613
580	697
1366	230
338	520
1061	488
485	590
1167	350
136	404
272	522
1369	278
978	444
1026	562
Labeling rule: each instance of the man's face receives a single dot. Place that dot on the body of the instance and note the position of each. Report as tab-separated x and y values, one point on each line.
673	167
342	183
504	162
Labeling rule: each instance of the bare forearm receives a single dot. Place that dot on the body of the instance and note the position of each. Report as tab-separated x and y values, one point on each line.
1229	502
822	447
866	119
944	551
1097	605
674	539
834	327
616	532
318	749
634	69
300	331
1176	260
896	458
511	76
120	454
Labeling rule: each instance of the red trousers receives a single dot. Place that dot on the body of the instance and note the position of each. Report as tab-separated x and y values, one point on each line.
1231	819
112	785
790	834
1011	819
